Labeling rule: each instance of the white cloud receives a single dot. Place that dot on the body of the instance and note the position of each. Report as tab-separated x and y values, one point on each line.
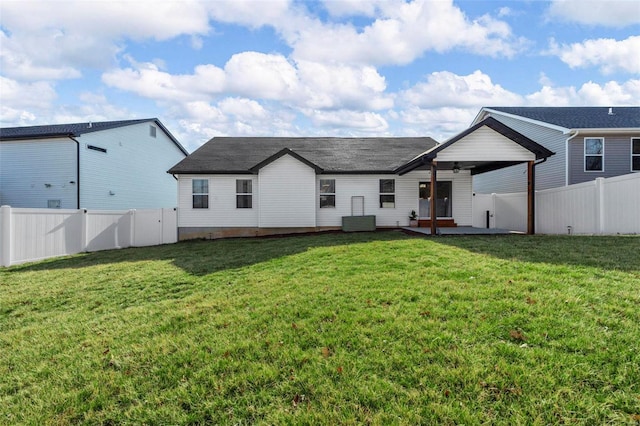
341	8
260	76
445	88
146	79
589	94
55	39
340	86
608	54
439	123
609	13
253	13
38	94
346	119
402	33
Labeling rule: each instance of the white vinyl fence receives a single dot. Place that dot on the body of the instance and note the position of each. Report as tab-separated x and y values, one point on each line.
33	234
602	206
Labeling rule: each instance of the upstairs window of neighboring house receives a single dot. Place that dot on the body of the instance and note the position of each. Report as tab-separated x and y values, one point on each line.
244	194
200	191
635	154
53	204
327	193
593	154
387	193
152	131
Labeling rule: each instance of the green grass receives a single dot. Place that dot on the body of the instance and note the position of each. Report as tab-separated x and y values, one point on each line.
373	328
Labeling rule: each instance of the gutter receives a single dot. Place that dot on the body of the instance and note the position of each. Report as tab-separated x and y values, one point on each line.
77	170
566	155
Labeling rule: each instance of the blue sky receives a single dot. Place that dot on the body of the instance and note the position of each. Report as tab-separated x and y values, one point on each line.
298	68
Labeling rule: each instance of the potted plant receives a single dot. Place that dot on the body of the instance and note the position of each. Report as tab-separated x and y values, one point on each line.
413	219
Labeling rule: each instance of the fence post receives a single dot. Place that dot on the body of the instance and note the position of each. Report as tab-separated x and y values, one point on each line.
83	230
5	226
132	227
494	213
600	212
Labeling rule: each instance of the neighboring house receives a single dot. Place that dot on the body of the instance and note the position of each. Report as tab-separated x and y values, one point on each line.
260	186
589	142
104	165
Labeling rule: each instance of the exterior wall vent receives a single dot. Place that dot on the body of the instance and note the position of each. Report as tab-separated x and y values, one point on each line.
97	148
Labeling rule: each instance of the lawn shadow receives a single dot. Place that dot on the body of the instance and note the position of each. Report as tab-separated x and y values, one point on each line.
203	257
603	252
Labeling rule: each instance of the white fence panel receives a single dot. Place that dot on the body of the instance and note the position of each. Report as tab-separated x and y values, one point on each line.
570	209
34	234
621	204
601	206
37	234
169	226
108	229
511	211
148	227
480	205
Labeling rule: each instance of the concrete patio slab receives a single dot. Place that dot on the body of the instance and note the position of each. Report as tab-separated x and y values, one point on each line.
461	230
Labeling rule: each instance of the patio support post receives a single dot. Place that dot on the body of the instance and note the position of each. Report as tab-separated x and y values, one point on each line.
531	198
434	198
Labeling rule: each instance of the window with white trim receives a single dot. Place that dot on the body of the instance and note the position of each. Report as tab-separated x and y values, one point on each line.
387	193
200	193
593	154
244	194
635	154
327	193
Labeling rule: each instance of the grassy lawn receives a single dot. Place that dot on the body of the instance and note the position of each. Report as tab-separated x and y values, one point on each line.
372	328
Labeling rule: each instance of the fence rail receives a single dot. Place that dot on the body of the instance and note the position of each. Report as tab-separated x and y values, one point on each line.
602	206
28	235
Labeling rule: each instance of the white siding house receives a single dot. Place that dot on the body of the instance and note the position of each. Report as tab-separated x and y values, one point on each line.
106	165
262	186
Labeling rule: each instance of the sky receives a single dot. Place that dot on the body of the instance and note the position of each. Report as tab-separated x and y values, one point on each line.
311	68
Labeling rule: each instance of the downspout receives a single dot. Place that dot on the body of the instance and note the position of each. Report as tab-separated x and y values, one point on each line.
566	157
77	170
533	200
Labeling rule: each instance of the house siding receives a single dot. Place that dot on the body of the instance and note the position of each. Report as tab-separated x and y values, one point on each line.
617	157
287	193
133	169
222	211
34	171
550	174
485	144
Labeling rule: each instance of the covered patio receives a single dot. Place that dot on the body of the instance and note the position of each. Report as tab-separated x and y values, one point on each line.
487	146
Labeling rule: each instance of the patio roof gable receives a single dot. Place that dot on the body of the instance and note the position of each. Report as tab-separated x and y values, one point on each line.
489	143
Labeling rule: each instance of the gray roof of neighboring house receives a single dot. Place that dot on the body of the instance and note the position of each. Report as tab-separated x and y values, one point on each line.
76	129
579	117
328	155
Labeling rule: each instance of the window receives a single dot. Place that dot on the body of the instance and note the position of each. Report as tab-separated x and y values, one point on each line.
635	154
53	204
593	154
387	193
152	131
327	193
200	190
244	196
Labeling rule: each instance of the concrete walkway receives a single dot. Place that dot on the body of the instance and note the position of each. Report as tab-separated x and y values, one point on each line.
461	230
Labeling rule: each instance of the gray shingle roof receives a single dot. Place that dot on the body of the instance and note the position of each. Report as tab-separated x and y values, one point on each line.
579	117
331	155
76	129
